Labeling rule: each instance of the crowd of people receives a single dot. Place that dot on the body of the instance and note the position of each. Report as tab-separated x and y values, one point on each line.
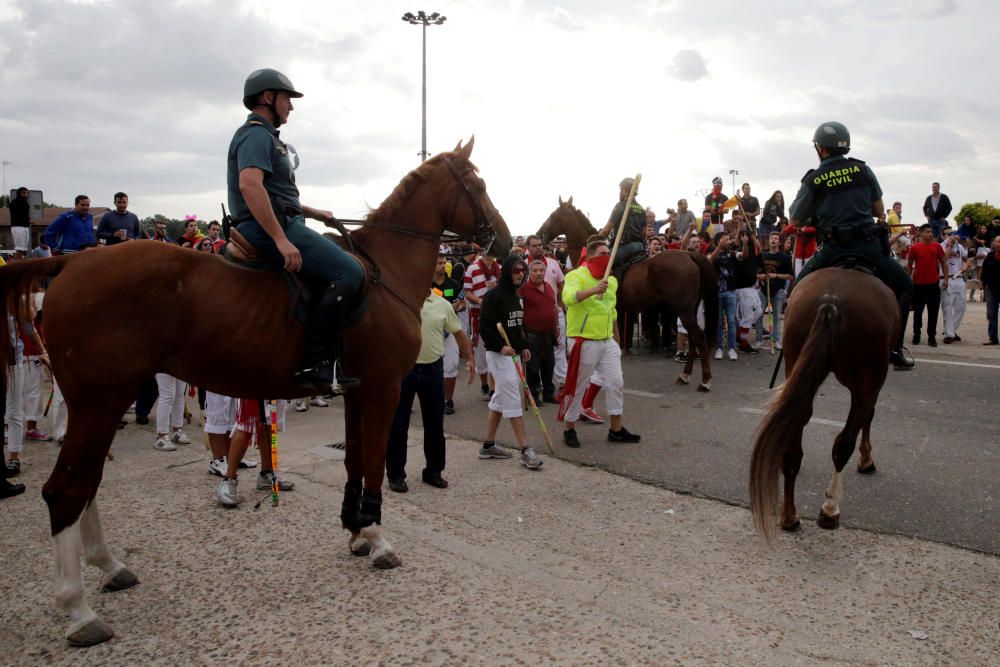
560	337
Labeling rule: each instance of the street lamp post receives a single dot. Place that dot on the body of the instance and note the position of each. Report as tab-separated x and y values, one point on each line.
734	173
424	20
4	164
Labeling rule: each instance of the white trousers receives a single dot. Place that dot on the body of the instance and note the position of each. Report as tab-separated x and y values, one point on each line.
507	395
220	413
953	306
604	357
22	238
15	407
748	307
701	319
34	377
559	371
58	412
451	357
170	404
481	365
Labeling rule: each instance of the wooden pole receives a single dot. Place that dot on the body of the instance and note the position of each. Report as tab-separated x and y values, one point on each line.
524	385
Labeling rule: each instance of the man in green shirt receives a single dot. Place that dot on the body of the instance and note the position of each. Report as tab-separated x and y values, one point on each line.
426	381
593	346
265	206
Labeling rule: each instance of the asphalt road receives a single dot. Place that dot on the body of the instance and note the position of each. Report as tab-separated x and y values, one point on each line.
934	439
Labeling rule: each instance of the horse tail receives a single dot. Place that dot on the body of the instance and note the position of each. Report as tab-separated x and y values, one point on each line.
709	283
774	437
16	281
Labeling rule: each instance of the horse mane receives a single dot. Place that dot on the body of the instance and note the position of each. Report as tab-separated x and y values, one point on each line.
407	185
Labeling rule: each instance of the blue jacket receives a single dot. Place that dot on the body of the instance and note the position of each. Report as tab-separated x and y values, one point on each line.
70	232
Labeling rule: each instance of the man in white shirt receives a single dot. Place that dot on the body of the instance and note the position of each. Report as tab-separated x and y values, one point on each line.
953	292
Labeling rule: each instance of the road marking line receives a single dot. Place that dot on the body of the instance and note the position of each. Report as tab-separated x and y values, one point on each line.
637	392
814	420
956	363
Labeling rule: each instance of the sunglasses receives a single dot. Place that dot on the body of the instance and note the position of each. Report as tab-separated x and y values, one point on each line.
516	271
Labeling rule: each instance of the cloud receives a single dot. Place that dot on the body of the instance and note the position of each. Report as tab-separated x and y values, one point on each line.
563	19
915	9
688	65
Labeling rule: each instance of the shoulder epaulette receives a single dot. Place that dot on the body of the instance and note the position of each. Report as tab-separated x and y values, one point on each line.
807	175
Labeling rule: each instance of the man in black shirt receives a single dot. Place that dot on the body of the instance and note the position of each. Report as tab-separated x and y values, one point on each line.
774	276
20	223
451	290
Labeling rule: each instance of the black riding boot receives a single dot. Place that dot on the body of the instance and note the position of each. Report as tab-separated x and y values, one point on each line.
323	339
896	356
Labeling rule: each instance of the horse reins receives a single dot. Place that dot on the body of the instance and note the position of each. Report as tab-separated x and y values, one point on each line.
484	233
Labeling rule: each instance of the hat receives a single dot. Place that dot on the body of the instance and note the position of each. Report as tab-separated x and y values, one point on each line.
717	181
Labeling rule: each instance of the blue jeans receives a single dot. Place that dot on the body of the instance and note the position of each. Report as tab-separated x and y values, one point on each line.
777	303
425	381
936	227
727	311
992	301
321	257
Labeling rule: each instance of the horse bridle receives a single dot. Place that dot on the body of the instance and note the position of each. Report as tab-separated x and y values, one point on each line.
483	234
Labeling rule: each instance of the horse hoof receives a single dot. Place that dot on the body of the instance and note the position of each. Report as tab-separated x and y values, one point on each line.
386	560
792	527
828	522
704	387
683	379
870	470
95	632
360	546
122	579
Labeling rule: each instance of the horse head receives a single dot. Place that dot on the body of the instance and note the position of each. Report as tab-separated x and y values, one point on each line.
482	221
571	221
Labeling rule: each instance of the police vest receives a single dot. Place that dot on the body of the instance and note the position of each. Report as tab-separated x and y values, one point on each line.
837	177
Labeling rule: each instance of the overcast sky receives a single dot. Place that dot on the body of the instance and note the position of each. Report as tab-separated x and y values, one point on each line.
563	98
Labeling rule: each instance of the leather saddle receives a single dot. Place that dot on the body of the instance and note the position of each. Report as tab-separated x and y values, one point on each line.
305	290
854	263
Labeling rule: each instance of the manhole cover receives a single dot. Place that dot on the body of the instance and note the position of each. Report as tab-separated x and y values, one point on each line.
341	446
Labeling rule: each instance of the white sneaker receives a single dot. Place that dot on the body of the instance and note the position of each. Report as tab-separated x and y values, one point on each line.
264	480
300	405
218	467
180	438
777	345
164	445
227	493
732	355
718	353
318	402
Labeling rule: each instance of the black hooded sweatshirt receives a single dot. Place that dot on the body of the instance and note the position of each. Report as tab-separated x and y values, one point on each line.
503	304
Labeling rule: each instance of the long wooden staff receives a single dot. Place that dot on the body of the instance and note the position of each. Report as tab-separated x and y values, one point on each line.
524	384
621	226
770	309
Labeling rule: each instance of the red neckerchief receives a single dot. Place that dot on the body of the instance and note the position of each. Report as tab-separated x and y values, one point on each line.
598	265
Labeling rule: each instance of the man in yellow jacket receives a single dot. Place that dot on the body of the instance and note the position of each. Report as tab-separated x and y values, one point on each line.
590	332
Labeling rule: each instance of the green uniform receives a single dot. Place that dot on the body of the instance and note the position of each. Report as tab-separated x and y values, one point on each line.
257	144
838	196
633	231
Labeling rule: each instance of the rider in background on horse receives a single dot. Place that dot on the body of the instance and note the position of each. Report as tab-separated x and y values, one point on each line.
843	196
633	232
265	207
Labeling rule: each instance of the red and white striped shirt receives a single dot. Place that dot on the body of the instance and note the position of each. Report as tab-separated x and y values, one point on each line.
476	277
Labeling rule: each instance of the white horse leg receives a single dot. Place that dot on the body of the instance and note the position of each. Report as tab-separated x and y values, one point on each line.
359	545
382	555
85	627
829	515
116	575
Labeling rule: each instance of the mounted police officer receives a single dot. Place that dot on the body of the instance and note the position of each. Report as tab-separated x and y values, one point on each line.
843	196
633	231
265	206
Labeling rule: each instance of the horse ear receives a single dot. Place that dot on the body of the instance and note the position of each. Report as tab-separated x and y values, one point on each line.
467	151
458	146
570	202
560	200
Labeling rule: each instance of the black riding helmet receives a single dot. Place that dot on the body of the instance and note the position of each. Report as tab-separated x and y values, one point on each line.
833	136
266	79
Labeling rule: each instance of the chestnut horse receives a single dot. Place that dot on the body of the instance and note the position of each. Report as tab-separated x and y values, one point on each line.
838	320
675	278
254	342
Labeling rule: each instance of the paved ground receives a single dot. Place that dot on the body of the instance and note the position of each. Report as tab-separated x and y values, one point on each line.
934	438
570	565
